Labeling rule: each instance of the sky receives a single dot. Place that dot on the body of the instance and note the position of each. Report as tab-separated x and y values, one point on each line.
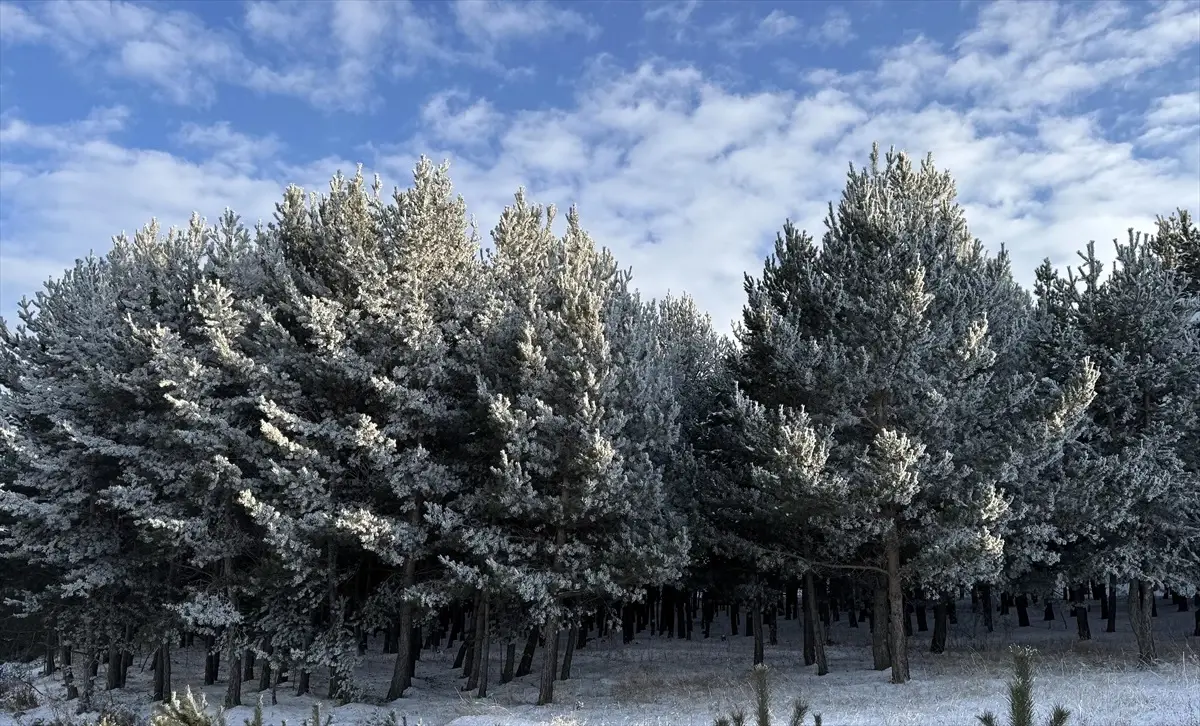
686	132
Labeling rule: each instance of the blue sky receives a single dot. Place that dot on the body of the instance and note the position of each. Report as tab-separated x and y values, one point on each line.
686	131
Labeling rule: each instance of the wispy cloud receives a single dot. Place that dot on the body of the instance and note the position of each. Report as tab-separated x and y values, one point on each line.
685	177
495	22
452	117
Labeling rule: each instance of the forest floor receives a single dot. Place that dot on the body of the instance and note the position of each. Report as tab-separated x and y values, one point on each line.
659	681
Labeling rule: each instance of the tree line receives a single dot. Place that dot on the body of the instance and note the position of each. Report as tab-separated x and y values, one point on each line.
356	420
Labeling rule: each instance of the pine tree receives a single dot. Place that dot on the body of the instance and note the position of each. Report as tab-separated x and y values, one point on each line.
574	508
884	335
89	418
1132	481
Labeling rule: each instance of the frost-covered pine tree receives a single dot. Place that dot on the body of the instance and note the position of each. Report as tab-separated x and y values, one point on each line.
883	334
1134	485
574	508
358	422
85	417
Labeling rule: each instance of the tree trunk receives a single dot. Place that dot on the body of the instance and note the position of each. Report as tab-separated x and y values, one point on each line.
485	650
48	665
510	658
480	632
264	670
1082	626
233	692
68	672
211	664
757	622
1111	626
896	639
89	681
879	628
526	666
549	664
1022	604
814	627
940	627
569	656
162	671
808	596
248	665
920	611
985	598
112	679
1141	598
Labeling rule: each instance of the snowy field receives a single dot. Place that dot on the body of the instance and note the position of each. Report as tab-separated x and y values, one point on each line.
660	682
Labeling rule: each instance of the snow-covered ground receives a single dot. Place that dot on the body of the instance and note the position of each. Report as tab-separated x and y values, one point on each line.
660	682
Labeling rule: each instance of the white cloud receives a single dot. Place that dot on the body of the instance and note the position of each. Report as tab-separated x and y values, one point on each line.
18	25
491	23
222	144
688	180
836	29
451	117
99	124
677	12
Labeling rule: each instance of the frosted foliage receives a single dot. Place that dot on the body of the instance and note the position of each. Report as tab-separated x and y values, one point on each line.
351	420
1127	480
885	335
574	503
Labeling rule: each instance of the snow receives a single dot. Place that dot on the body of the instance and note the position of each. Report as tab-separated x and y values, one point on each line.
659	681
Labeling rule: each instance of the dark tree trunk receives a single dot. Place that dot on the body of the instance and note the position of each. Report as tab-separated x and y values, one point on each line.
852	611
475	655
1082	626
773	624
68	673
897	645
210	662
1022	610
248	661
1141	599
628	624
1048	616
549	664
48	665
569	655
1111	626
919	611
808	603
733	618
755	622
879	628
233	690
526	666
812	615
162	671
485	650
985	601
940	628
264	670
116	659
510	658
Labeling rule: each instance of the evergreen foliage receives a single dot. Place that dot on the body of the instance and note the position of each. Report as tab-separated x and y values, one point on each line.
1020	695
763	714
353	420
